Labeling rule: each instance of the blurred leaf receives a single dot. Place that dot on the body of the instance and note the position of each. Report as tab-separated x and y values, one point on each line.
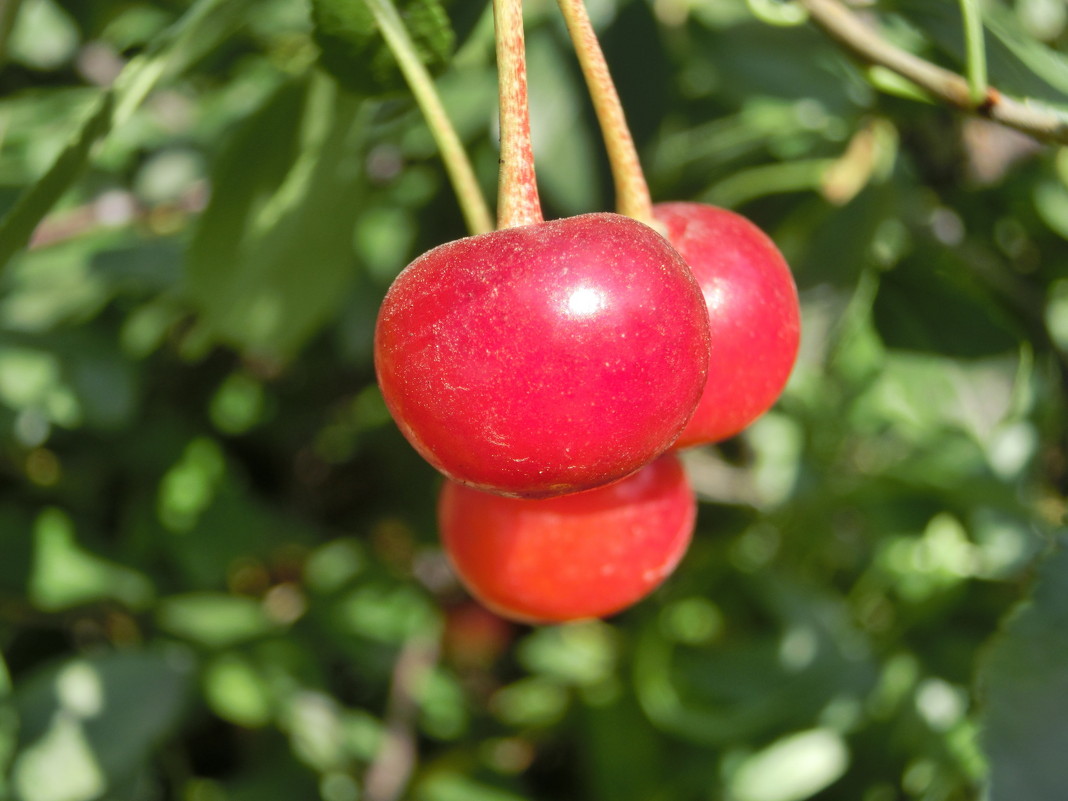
583	654
272	255
442	786
386	613
715	695
236	691
19	222
190	486
99	718
212	619
16	542
835	243
238	404
8	14
625	757
531	702
1042	60
202	27
793	768
44	36
443	708
9	725
933	301
65	575
1051	202
925	394
751	184
333	565
52	285
1057	313
742	70
1023	682
316	726
354	52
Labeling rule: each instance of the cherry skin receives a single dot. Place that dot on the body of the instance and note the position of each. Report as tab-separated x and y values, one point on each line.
576	556
753	311
544	359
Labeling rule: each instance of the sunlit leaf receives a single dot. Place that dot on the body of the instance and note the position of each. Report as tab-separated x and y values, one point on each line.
272	255
793	768
213	619
44	36
65	575
236	691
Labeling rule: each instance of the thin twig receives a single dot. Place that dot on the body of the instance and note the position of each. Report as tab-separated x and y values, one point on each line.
388	775
1026	115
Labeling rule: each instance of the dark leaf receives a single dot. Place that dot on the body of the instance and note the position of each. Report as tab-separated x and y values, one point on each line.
1024	682
353	51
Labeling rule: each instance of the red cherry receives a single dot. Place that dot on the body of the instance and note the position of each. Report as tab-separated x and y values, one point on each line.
754	316
577	556
544	359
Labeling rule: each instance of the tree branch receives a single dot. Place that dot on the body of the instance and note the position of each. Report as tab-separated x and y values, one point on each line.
846	28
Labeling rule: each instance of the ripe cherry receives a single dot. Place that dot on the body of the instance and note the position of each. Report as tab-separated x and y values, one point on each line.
544	359
577	556
754	316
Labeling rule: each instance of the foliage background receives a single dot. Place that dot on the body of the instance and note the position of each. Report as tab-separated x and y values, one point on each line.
219	574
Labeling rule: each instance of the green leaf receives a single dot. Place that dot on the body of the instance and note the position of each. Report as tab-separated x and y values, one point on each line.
935	301
213	619
44	36
89	724
1045	62
1024	684
272	255
353	51
793	768
236	691
448	786
19	223
65	575
1016	62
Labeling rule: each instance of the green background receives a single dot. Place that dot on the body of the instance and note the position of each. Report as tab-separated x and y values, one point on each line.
220	578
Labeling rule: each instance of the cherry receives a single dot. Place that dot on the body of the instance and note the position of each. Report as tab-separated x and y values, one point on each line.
578	556
754	317
544	359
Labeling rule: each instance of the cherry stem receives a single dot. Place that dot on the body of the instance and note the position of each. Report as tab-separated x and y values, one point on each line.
457	165
632	191
517	200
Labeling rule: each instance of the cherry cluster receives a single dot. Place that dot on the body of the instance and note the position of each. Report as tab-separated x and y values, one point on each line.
551	369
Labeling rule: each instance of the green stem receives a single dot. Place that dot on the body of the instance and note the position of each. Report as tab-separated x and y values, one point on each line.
472	202
632	190
975	50
517	194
